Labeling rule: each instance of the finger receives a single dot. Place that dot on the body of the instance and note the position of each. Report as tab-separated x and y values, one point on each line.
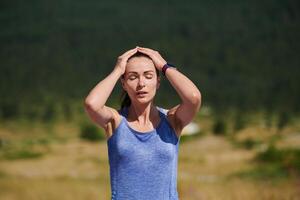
144	48
147	49
129	52
151	54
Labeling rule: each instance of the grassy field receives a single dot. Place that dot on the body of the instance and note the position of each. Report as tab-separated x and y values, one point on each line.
57	164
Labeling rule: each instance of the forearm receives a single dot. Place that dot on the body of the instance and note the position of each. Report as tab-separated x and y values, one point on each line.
100	93
186	89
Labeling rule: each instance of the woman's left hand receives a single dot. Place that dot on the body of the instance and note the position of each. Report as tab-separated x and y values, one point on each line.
158	61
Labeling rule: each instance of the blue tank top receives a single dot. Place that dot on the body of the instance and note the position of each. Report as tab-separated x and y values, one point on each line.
143	165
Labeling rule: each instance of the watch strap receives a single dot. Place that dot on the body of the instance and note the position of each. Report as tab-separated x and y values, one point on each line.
166	66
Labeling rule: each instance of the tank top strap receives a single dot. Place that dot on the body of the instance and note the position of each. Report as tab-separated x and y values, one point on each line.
123	111
162	110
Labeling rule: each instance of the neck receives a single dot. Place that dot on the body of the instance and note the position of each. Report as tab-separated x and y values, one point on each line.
143	114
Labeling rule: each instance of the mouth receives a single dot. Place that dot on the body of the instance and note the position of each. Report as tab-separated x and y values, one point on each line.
141	93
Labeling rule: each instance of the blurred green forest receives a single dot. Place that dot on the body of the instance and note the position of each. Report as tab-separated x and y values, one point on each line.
241	54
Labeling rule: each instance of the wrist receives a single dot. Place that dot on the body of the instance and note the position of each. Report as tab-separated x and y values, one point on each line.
166	66
118	71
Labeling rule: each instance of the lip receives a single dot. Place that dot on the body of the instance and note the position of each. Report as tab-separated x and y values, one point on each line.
141	93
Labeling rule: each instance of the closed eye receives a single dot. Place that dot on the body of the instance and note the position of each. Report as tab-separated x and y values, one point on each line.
149	76
132	77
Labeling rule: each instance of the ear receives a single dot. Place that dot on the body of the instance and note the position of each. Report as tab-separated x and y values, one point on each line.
123	83
158	83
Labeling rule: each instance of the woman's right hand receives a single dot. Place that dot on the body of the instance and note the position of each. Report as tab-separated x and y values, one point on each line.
122	60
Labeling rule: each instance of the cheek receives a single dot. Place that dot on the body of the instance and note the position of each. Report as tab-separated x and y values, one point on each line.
131	86
152	84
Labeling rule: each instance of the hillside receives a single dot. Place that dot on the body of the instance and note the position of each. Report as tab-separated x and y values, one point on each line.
241	54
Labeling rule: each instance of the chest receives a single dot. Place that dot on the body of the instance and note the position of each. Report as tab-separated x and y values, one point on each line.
143	128
146	126
153	150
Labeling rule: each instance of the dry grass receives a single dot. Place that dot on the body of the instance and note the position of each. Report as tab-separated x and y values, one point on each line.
75	169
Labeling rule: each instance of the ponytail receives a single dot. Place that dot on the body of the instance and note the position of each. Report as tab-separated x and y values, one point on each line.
125	99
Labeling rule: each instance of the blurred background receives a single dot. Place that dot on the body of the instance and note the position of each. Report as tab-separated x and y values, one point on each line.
242	55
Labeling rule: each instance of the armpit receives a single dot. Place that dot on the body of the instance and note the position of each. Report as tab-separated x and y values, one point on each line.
176	125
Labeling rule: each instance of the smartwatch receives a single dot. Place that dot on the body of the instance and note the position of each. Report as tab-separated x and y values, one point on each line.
166	66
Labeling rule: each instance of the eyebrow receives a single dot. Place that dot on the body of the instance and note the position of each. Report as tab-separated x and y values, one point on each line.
133	72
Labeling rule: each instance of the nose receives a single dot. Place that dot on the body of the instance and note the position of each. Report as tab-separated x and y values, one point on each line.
141	82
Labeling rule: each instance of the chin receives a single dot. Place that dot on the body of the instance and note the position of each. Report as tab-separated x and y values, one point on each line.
143	101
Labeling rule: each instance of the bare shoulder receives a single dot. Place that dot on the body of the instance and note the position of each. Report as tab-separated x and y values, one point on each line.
176	125
113	124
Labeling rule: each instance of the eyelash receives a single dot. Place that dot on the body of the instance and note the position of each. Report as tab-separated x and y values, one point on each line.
148	77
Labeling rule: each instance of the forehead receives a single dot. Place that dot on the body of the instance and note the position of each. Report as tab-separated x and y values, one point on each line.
139	65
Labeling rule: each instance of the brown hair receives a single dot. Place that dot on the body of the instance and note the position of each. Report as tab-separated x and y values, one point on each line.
125	99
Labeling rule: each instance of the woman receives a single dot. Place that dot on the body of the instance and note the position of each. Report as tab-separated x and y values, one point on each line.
143	138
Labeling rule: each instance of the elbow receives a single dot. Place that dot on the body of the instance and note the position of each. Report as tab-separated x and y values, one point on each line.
88	104
196	99
92	105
